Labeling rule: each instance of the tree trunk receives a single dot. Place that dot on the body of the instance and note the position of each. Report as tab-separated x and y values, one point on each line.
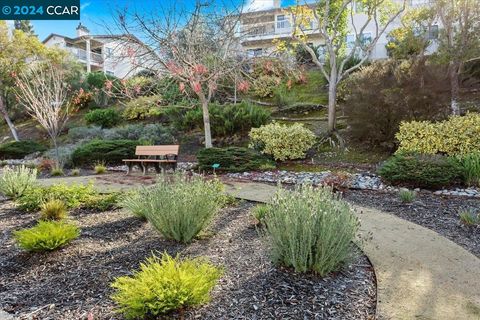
332	101
206	123
9	122
455	88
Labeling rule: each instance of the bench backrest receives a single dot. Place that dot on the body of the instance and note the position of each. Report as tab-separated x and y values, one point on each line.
157	150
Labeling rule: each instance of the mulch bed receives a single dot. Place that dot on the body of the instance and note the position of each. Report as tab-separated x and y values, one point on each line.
438	213
73	282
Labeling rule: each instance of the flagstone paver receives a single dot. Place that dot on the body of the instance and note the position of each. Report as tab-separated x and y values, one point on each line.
420	274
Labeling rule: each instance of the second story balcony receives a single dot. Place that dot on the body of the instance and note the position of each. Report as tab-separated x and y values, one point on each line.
81	55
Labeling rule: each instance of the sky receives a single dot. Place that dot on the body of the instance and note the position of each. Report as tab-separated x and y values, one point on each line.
96	14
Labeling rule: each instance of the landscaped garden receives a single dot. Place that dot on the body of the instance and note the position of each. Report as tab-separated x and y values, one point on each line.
241	188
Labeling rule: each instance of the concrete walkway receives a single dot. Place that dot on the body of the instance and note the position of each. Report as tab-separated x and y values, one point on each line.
420	274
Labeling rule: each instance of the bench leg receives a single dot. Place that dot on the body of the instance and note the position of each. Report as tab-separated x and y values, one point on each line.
157	168
129	168
144	168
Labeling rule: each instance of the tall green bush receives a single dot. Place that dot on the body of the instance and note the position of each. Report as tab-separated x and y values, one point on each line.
310	229
471	168
105	118
180	207
163	285
233	159
283	142
107	151
20	149
421	170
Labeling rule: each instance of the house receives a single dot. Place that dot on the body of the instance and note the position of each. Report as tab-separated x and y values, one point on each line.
260	25
118	55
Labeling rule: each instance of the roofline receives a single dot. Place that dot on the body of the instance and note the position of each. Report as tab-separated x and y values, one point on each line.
99	36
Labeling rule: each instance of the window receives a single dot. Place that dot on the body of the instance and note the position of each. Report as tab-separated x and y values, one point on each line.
110	73
252	53
108	52
365	38
433	32
282	22
350	40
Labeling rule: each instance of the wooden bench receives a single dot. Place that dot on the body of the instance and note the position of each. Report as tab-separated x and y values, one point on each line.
161	157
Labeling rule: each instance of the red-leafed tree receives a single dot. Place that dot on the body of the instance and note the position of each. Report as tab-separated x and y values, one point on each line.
197	48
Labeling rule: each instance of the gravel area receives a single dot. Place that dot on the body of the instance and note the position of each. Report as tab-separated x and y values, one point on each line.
73	282
438	213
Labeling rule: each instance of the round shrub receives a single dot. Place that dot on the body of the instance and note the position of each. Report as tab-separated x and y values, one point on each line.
53	210
105	118
46	235
309	229
283	142
20	149
142	108
264	86
106	151
16	182
421	170
163	285
233	159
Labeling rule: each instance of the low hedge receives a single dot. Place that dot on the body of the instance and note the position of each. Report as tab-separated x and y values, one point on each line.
421	170
233	159
20	149
105	118
108	151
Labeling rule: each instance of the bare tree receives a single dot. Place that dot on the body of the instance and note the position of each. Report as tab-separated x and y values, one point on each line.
43	91
329	19
197	48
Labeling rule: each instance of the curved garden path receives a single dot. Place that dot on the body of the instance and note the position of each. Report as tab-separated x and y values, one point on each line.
420	274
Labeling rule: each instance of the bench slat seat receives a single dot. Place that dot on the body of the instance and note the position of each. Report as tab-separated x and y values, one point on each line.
156	155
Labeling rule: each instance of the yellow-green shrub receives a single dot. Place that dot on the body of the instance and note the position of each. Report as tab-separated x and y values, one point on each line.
163	285
46	235
282	141
53	210
459	135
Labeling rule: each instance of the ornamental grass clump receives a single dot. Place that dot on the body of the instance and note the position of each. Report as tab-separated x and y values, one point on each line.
407	196
46	235
310	229
163	285
135	203
180	207
471	168
53	210
15	182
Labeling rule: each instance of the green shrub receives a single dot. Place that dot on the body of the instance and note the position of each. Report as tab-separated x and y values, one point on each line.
282	141
73	196
469	217
135	203
46	236
310	229
259	213
75	172
471	168
97	79
100	168
407	196
105	118
16	182
53	210
153	134
456	136
422	171
163	285
224	120
142	108
102	202
111	152
232	159
180	207
20	149
57	172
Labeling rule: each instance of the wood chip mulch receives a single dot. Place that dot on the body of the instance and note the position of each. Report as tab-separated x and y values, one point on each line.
73	282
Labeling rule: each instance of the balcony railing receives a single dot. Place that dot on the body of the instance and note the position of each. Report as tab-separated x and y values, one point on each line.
81	54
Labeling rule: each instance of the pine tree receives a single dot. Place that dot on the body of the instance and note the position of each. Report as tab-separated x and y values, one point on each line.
25	26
